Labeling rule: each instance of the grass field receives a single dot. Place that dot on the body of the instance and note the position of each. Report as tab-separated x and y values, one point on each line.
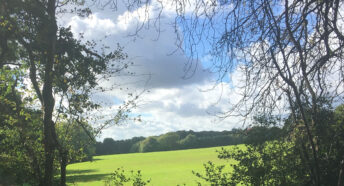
163	168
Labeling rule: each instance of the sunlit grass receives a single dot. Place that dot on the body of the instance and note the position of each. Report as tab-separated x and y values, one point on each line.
163	168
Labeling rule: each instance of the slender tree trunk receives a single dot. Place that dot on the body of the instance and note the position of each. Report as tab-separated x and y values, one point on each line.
48	164
49	139
341	174
63	165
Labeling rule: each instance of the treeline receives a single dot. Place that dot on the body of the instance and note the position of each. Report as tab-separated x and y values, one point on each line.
184	140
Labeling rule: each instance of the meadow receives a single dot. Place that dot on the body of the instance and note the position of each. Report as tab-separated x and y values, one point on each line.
163	168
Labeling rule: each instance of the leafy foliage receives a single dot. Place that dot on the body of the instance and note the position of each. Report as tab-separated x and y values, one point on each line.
214	175
187	140
76	141
150	144
56	67
281	161
20	133
168	141
119	177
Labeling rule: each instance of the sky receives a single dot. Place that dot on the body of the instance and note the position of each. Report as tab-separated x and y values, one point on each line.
177	89
173	98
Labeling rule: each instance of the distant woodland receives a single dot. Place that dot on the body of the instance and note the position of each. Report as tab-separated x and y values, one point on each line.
185	140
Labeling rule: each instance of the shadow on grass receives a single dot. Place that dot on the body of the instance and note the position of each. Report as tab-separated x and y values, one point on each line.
86	178
80	171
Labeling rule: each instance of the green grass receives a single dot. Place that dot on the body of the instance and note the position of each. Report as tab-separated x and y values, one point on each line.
163	168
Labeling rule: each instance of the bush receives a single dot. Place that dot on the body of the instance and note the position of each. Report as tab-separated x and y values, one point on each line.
119	177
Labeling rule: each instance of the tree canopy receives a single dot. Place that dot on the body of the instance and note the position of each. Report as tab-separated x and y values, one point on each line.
60	71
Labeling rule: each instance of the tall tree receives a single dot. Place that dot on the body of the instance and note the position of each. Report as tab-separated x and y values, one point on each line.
58	66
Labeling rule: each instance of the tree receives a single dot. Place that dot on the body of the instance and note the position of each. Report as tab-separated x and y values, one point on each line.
338	129
168	141
108	145
76	143
55	63
189	141
287	53
150	144
280	161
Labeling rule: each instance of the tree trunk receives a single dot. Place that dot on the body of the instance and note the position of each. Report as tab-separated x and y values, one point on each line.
49	139
341	174
63	165
48	164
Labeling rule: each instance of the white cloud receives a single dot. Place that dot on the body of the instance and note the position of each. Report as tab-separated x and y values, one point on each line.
137	17
183	108
174	103
92	26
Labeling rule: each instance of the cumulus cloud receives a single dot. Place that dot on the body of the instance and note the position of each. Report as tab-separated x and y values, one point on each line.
92	26
177	100
152	53
183	108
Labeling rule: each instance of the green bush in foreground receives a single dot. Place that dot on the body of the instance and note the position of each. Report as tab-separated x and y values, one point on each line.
285	160
269	163
119	177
